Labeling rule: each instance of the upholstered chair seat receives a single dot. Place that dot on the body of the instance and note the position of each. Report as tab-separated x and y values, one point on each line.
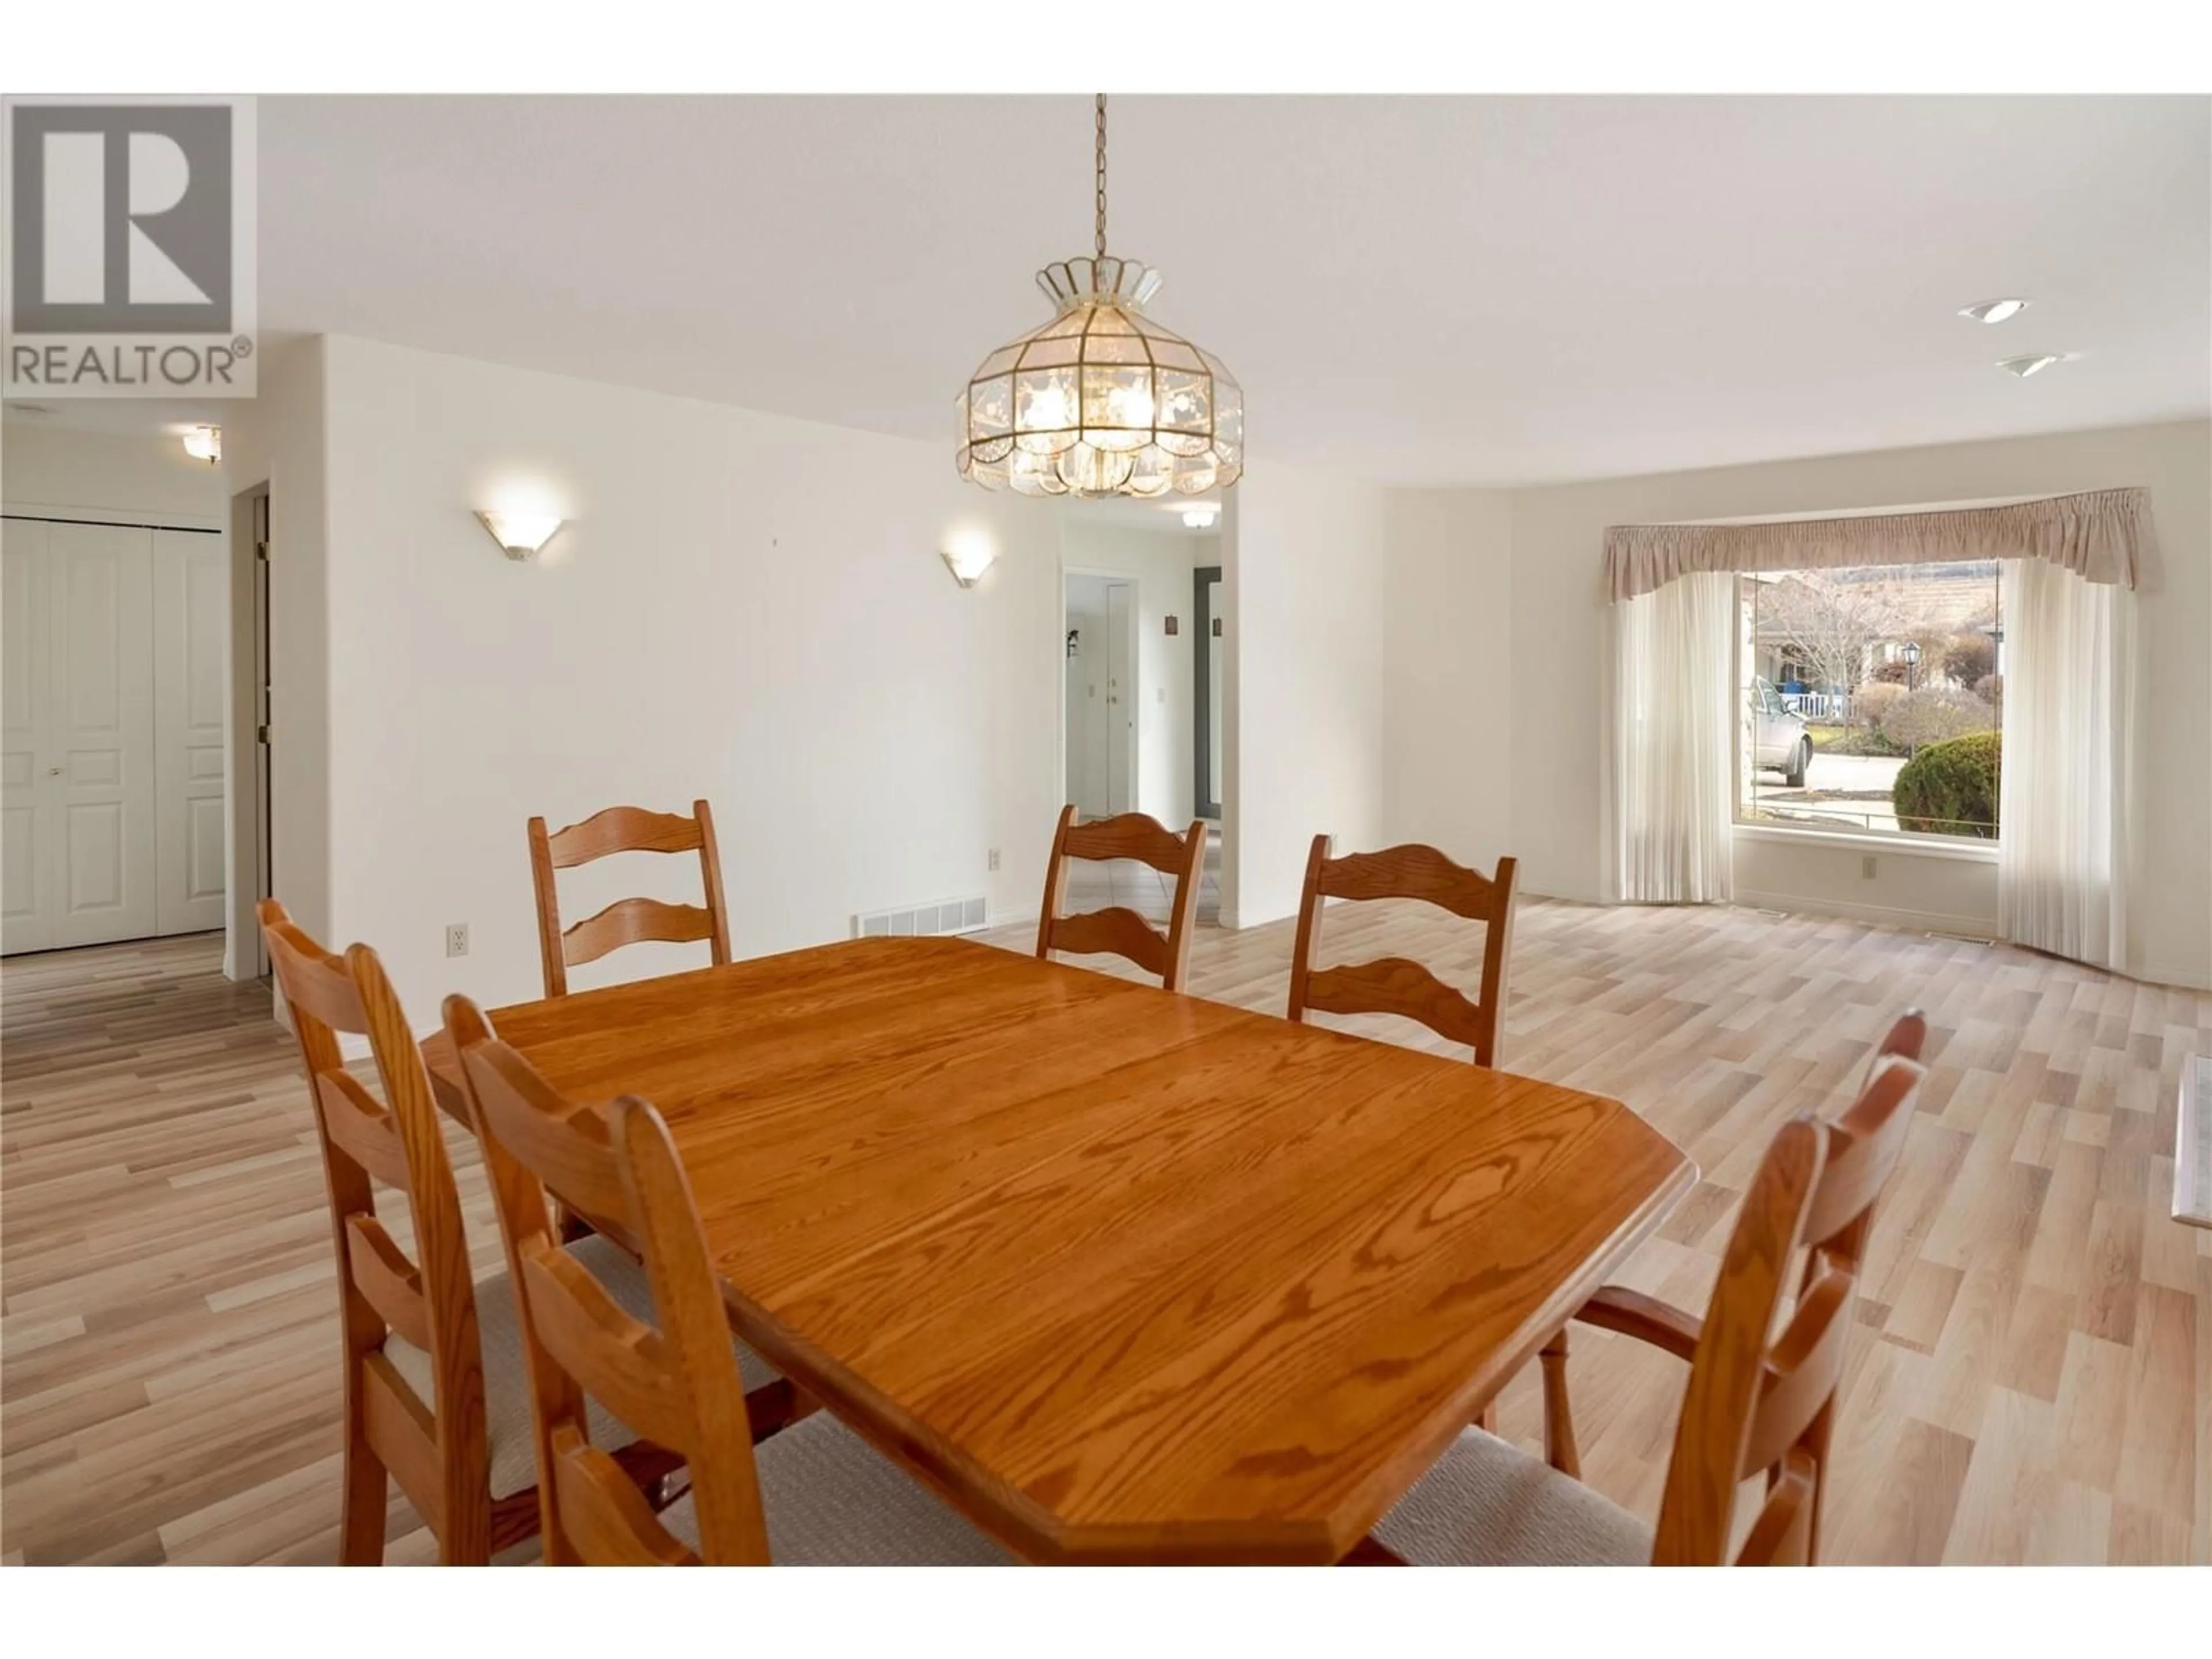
506	1390
1487	1504
833	1500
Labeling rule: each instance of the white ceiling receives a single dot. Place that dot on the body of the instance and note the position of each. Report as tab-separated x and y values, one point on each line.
1481	290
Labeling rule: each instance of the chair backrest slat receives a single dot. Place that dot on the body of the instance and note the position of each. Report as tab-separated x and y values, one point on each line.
634	921
1413	871
428	1299
388	1280
1782	1535
1393	984
624	829
1803	1370
362	1128
606	1521
631	920
675	1381
1864	1145
613	1357
1118	930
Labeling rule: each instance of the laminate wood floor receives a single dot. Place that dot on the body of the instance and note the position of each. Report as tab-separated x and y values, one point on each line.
2032	1373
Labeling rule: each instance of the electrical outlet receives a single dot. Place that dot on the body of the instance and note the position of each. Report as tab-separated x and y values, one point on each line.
994	858
1160	694
457	938
1866	867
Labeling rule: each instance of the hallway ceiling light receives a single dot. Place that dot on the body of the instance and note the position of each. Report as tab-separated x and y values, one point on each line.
2034	362
204	443
1101	400
1994	311
521	535
1200	517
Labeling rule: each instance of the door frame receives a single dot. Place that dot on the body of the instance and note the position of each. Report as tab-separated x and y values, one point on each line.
1202	636
1136	657
248	956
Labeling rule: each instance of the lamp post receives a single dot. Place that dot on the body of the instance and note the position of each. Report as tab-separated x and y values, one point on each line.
1912	654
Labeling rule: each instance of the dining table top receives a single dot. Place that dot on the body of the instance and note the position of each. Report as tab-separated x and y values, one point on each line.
1126	1275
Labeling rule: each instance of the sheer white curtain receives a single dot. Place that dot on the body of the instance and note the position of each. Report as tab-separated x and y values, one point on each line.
2063	793
1674	748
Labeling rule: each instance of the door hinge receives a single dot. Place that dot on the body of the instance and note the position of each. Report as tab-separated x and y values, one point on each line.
261	734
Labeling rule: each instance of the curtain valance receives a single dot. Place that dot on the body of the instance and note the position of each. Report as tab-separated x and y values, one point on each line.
2101	535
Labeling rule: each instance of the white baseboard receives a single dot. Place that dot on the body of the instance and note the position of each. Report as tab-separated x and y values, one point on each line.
1921	922
2158	973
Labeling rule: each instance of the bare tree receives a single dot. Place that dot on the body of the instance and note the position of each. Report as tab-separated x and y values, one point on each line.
1831	626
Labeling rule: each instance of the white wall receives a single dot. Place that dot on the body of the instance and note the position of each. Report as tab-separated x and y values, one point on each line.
280	439
145	477
1561	648
746	608
1448	684
1160	563
1305	570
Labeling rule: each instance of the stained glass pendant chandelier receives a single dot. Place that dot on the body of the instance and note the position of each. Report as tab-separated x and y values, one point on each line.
1101	400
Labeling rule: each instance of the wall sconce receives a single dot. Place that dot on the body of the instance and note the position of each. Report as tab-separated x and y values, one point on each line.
1200	516
520	535
968	563
204	443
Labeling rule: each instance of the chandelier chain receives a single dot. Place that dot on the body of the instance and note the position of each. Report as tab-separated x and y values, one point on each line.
1102	176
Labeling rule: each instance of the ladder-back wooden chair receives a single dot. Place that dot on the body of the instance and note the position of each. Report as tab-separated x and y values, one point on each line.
1393	985
1117	930
813	1493
630	920
435	1397
1752	1406
1861	1150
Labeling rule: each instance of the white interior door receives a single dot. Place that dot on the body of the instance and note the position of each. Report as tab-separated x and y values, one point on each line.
192	627
88	748
1120	697
102	759
1213	679
27	828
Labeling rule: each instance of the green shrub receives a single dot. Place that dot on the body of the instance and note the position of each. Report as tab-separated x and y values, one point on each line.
1951	788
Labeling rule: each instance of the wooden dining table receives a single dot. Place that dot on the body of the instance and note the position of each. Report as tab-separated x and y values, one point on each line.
1124	1275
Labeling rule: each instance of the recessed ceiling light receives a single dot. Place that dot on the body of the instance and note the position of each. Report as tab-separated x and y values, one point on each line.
2032	364
1994	311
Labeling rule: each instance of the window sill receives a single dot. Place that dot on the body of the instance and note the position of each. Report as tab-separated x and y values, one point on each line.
1960	848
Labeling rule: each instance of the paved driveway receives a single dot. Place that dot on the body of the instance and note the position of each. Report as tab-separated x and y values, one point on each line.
1849	789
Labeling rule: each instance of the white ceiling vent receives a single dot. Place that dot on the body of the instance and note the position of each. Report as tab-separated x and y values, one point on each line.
960	916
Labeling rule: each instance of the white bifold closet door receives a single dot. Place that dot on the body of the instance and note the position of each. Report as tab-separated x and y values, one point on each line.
192	629
110	683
